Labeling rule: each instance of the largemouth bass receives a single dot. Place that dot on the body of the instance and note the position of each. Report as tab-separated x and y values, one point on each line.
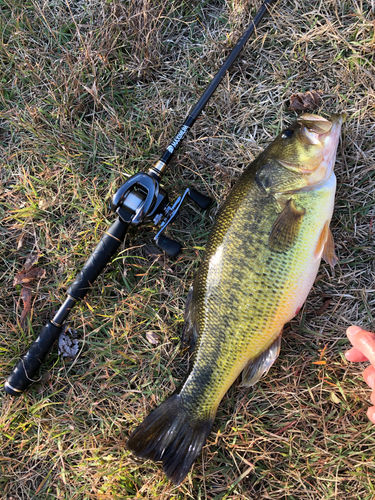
260	263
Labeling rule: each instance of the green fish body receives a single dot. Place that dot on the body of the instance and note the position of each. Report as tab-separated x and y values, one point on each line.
261	261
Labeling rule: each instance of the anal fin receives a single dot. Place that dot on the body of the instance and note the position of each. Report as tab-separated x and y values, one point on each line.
260	365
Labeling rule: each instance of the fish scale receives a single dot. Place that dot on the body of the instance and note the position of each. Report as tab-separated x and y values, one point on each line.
261	260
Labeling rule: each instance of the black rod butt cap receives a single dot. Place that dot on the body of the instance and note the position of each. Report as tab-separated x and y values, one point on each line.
11	390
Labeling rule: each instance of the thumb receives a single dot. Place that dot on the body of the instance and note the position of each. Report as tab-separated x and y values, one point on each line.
362	340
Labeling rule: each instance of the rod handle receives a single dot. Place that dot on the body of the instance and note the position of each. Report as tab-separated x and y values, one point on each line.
97	261
25	370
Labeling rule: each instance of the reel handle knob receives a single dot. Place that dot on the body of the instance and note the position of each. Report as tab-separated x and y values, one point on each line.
200	199
170	247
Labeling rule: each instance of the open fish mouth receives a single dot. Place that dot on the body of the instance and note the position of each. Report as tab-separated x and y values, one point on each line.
316	130
323	134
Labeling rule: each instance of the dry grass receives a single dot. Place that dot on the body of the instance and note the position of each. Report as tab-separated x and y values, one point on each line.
91	91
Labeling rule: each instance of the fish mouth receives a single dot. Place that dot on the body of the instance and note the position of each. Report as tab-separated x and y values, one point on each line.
318	131
324	134
313	129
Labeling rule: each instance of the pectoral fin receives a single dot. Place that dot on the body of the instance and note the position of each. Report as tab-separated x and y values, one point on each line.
260	365
286	228
326	246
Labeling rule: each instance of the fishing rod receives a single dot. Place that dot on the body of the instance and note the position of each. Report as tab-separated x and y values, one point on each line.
141	199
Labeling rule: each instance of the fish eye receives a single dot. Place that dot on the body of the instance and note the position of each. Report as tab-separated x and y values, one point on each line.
287	133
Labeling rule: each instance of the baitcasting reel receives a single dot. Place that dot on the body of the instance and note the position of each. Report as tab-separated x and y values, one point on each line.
142	199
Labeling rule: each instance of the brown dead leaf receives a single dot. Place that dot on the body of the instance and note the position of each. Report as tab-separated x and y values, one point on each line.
152	337
26	299
30	261
25	277
323	308
28	276
306	100
21	241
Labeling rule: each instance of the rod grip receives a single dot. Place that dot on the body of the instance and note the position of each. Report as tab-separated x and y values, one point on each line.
97	261
25	370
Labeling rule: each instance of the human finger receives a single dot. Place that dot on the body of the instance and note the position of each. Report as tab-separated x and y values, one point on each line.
369	376
355	355
371	414
364	341
372	398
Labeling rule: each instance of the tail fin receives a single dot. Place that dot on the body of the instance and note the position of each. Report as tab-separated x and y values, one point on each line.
170	436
